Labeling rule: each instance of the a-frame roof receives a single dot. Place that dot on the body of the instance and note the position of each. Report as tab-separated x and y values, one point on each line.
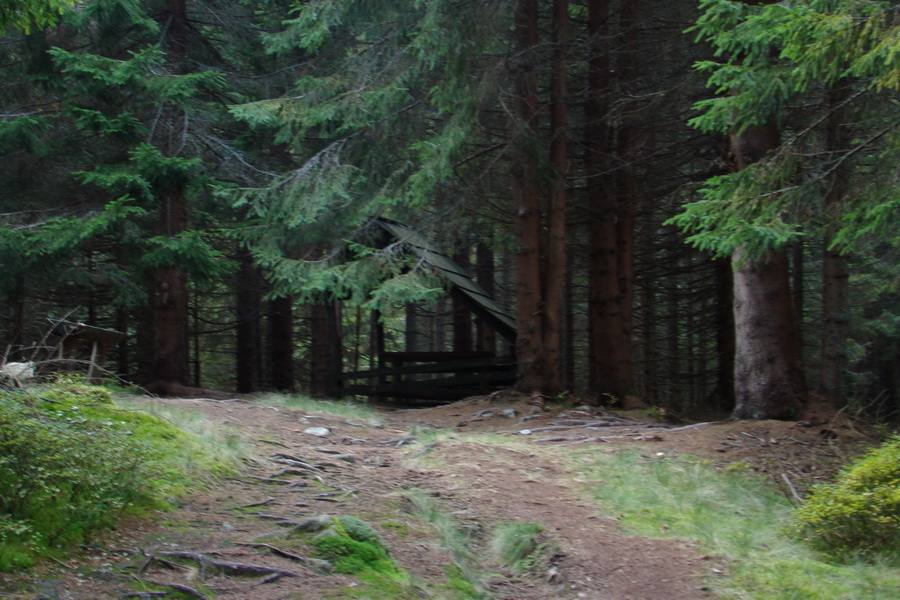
477	298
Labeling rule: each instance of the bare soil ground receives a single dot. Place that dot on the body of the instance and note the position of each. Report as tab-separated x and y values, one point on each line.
234	541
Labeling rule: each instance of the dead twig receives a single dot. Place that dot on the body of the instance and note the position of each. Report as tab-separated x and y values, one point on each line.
797	499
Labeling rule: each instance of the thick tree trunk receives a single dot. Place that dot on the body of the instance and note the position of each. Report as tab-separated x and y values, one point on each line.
610	278
281	343
170	292
769	379
530	350
326	349
555	276
170	300
248	355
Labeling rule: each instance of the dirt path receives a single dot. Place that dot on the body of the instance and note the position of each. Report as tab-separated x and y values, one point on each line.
372	472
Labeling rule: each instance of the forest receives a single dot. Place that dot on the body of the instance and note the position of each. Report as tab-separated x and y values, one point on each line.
694	204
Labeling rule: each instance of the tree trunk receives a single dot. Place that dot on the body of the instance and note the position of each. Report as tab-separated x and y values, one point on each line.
170	294
532	361
835	275
461	316
610	371
326	349
769	379
555	279
768	376
486	337
247	298
170	300
281	343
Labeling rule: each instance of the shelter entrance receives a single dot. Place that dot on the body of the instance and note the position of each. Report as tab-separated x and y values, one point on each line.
423	370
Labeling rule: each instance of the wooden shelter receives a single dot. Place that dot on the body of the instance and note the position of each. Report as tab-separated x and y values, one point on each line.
441	375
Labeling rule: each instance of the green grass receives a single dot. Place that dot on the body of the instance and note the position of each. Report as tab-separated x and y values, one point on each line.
519	547
348	409
739	521
223	441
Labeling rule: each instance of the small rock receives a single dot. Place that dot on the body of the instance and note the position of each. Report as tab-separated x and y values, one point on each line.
347	458
317	431
485	414
315	524
509	413
525	432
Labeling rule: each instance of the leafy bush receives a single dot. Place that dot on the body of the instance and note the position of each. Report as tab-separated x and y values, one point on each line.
860	511
72	462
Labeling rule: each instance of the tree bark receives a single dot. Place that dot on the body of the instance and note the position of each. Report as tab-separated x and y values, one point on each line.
769	379
281	343
248	356
555	276
610	276
532	360
170	300
485	336
170	294
461	317
835	274
326	349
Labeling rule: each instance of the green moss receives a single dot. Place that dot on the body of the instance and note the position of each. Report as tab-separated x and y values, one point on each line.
355	548
72	462
69	393
860	511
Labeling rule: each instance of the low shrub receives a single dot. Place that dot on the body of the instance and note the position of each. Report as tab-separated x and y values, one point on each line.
860	512
71	462
60	480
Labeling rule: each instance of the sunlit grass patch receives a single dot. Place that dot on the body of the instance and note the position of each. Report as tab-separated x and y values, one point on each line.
740	521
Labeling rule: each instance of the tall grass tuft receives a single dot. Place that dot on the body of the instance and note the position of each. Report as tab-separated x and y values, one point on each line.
519	546
736	519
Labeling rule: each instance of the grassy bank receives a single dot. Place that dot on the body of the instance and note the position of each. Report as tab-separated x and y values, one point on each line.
73	461
740	522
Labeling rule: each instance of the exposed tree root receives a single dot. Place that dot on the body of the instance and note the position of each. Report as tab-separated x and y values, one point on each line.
314	563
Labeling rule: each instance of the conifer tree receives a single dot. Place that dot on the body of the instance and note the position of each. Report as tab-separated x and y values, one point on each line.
776	54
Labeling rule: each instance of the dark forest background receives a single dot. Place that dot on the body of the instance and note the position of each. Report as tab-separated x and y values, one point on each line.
689	203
